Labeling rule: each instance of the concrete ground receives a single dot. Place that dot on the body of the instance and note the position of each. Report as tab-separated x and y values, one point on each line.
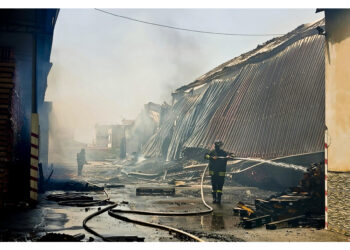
220	225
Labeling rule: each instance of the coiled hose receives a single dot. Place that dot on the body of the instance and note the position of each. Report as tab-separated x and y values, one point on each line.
114	213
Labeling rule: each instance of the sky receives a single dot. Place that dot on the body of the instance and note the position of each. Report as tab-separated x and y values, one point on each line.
106	68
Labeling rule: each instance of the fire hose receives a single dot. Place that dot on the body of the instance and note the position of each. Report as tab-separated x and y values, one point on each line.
278	158
114	213
92	216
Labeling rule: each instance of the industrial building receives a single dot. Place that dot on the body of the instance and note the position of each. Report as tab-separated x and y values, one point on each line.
266	103
337	136
25	47
285	101
127	138
271	103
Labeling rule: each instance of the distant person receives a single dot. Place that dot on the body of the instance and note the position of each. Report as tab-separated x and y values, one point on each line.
123	148
81	161
217	169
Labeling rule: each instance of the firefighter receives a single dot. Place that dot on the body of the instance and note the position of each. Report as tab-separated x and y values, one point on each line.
81	160
217	169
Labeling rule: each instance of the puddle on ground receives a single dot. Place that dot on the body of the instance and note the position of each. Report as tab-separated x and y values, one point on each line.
187	199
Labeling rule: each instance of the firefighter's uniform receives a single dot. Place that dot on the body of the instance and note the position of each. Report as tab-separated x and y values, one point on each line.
217	171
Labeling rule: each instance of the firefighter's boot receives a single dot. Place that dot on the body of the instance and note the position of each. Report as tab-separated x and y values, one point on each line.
214	196
218	198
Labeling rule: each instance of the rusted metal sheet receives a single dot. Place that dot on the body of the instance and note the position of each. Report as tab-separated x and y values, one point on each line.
266	103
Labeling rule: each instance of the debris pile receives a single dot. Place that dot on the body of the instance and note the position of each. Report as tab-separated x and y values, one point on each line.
56	237
71	185
125	239
167	191
76	199
299	206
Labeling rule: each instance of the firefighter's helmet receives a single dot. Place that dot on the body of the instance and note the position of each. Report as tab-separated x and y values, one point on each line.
218	143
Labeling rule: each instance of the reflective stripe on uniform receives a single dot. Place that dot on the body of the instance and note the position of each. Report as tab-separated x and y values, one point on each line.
219	191
217	173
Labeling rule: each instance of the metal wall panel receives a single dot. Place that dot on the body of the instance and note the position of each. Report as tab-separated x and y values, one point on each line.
266	103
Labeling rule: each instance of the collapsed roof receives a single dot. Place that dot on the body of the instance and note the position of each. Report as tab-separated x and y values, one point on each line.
266	103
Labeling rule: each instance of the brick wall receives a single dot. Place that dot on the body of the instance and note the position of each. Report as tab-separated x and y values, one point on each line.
7	74
339	202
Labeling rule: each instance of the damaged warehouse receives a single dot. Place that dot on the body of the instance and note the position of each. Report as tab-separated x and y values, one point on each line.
143	174
264	104
127	138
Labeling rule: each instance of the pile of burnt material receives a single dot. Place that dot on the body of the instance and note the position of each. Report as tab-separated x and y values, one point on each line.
71	185
76	199
56	237
298	206
165	191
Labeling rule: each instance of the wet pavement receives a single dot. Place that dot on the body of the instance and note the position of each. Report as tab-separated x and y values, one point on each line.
220	225
64	219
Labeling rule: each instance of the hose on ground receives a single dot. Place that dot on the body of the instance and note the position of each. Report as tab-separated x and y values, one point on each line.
149	224
92	216
210	209
114	213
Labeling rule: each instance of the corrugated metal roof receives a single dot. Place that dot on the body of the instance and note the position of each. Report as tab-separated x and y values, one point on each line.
266	103
272	46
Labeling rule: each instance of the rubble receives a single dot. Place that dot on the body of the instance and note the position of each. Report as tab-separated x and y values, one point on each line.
256	222
290	222
115	186
125	239
299	206
71	185
68	197
168	191
76	199
60	237
216	236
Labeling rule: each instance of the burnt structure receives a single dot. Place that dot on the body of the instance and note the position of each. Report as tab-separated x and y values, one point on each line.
266	103
25	45
127	138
